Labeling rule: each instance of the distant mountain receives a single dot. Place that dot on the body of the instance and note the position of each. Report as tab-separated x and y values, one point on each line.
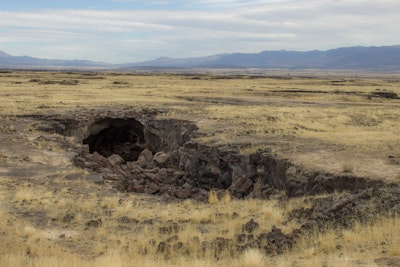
374	58
381	58
25	62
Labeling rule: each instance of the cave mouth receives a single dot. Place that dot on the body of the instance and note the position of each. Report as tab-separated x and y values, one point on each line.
124	137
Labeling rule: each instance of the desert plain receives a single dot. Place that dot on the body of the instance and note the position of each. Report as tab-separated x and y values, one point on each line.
343	126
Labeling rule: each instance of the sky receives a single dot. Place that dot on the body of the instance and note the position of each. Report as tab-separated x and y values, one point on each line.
122	31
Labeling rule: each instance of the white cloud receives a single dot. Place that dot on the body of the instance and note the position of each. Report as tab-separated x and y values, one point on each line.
241	26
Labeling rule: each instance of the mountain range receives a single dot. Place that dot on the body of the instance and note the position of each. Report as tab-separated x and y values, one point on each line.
359	57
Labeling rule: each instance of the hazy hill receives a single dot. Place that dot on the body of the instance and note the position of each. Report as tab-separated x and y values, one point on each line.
359	57
9	61
377	58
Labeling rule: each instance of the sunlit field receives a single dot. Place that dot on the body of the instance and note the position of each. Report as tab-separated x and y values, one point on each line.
333	122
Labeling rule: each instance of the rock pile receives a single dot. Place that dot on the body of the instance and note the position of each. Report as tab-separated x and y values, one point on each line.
193	169
151	174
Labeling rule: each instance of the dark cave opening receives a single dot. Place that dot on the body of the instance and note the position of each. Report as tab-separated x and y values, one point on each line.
124	137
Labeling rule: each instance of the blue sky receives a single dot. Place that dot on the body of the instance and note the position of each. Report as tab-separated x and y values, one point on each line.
119	31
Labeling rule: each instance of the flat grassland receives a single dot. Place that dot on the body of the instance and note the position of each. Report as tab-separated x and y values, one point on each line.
348	123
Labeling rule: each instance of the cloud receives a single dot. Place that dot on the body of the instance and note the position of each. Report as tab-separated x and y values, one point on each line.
225	26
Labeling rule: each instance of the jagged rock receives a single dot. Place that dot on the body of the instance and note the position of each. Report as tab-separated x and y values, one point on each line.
105	170
115	160
94	223
251	171
244	238
132	165
169	228
145	159
184	160
119	171
214	170
150	176
85	151
295	182
68	217
275	241
183	193
161	159
99	160
237	172
242	185
152	189
147	155
161	175
390	95
80	162
190	145
127	220
224	180
199	194
250	226
388	261
164	248
219	245
255	158
138	188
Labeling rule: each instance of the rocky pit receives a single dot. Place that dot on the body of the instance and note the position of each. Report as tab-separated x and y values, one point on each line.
136	152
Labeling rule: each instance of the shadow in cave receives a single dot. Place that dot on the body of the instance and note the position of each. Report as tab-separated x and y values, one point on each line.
124	137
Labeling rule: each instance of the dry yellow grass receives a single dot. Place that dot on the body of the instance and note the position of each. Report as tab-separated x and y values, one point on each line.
44	215
37	241
327	117
44	238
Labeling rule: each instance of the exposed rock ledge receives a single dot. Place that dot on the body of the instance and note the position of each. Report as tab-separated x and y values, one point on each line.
133	151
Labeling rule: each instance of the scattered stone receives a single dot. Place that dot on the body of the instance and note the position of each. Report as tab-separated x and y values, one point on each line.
164	248
119	171
80	162
115	160
161	175
147	155
137	188
127	220
85	151
169	229
242	185
235	215
161	159
100	160
383	94
387	261
219	246
94	223
182	193
250	226
275	241
190	145
244	238
152	189
69	217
